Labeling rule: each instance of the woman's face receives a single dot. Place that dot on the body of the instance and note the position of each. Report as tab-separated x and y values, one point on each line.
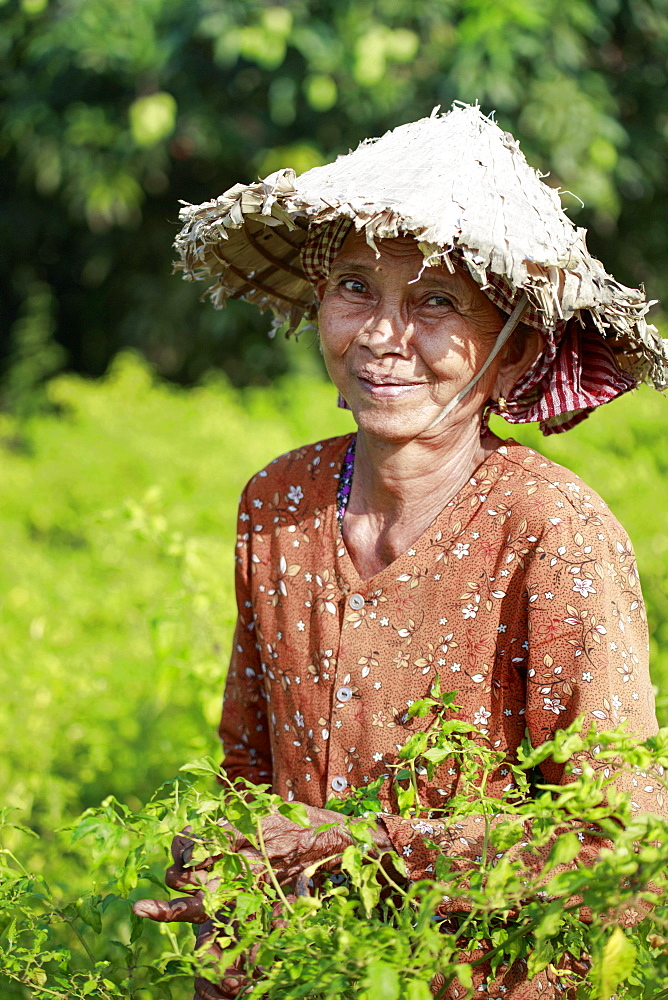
400	344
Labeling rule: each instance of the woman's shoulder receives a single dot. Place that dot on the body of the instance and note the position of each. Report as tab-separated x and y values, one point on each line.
301	468
543	490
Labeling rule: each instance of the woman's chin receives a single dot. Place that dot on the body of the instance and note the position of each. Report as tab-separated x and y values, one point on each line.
393	426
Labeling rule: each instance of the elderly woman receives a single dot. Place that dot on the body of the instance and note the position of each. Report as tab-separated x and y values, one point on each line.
448	283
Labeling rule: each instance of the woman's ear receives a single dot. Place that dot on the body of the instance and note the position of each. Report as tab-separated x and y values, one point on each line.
523	348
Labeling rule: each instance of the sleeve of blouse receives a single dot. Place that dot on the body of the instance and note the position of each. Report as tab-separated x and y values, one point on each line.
588	643
243	729
587	655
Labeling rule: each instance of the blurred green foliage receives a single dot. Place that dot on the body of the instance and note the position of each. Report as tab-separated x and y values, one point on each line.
114	109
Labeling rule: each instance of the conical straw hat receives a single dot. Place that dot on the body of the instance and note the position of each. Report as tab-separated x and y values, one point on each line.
453	181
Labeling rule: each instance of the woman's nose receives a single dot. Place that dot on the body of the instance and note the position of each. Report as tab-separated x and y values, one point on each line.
388	333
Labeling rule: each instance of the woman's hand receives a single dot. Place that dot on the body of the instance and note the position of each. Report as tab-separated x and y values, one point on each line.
290	848
180	875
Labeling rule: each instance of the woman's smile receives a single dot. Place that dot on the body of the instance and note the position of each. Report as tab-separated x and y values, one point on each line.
388	386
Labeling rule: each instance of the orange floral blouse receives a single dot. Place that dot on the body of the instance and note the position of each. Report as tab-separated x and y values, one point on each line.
522	595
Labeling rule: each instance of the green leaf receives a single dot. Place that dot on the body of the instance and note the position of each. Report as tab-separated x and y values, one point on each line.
540	957
464	975
550	921
351	861
421	707
564	850
417	989
508	833
381	981
414	746
137	924
405	799
203	765
618	960
295	812
89	913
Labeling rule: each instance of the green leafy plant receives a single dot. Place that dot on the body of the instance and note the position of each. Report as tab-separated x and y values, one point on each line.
373	933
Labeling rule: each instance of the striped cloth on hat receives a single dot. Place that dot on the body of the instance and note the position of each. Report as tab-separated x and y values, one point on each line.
575	372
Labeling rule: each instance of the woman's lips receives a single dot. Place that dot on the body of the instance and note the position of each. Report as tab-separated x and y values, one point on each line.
386	388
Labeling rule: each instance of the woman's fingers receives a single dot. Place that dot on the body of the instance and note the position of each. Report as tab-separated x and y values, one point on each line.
184	879
188	909
182	845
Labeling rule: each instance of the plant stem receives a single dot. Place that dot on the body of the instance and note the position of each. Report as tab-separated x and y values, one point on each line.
83	942
270	869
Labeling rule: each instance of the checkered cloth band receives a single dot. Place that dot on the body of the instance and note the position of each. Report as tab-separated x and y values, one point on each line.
575	372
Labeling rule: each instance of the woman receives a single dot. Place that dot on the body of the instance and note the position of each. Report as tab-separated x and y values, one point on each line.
449	283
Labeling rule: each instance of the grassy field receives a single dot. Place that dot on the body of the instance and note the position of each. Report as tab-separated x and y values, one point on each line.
118	518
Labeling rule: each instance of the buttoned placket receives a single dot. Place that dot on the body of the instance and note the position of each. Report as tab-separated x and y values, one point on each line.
354	597
343	700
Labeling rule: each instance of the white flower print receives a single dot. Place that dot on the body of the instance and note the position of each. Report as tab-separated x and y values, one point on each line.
407	851
553	705
426	829
301	626
470	611
295	494
461	549
587	676
377	756
481	716
455	667
257	503
549	595
384	621
502	628
583	587
616	702
442	621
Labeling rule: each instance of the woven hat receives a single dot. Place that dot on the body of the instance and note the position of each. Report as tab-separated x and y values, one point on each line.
462	187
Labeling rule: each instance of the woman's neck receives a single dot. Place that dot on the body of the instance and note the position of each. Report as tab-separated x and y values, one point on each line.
398	490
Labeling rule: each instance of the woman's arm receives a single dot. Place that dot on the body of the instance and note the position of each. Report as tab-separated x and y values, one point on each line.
243	729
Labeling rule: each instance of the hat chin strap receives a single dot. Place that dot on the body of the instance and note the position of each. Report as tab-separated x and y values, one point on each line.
501	339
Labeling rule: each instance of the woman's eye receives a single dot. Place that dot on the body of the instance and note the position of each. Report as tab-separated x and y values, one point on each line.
353	285
439	300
